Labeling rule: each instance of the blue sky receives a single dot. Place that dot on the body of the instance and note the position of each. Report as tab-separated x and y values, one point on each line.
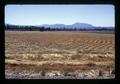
97	15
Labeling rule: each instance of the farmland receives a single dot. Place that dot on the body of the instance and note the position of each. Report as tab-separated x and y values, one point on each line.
59	54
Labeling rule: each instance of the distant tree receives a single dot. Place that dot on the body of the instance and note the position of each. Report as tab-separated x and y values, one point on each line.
42	29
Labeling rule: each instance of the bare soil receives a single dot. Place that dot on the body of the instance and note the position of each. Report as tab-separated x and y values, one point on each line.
57	55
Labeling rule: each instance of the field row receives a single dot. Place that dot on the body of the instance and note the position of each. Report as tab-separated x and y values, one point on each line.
64	52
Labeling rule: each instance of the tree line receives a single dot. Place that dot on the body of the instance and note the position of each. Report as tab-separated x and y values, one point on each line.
36	28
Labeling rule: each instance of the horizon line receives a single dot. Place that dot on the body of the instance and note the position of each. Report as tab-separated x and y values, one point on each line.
56	23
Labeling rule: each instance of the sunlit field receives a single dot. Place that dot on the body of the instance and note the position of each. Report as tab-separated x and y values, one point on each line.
59	55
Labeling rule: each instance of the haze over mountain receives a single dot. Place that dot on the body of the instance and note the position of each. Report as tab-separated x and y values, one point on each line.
75	25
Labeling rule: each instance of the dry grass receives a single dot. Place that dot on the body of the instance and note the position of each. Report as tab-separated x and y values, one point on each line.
65	51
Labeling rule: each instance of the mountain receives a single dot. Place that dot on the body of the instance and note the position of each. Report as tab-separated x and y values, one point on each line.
84	25
75	25
54	25
47	27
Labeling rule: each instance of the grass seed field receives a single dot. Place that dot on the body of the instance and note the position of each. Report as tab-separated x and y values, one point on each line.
59	55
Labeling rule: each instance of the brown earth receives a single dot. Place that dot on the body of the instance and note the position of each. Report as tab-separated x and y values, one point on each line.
62	51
